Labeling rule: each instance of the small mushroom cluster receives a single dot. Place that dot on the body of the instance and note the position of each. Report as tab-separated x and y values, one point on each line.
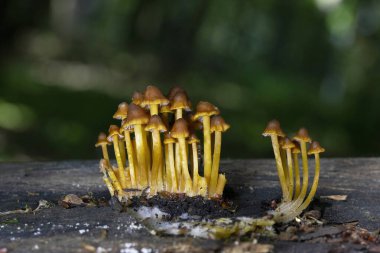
286	151
156	146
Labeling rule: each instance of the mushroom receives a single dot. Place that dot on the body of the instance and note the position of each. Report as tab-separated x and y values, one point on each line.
281	141
193	140
218	125
103	142
204	111
287	146
315	149
153	98
105	167
165	110
180	132
220	186
114	136
156	126
274	130
295	151
174	91
137	98
179	103
169	156
126	130
137	117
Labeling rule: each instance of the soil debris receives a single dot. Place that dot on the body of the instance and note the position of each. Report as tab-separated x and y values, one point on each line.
247	247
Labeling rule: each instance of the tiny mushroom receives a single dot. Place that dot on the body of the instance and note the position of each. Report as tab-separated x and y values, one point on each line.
295	151
103	142
153	98
137	98
179	103
288	145
169	156
193	140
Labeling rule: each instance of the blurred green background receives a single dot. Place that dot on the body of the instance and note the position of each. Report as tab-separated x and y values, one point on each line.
66	64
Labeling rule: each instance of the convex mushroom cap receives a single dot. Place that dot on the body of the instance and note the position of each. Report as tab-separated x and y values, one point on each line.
302	135
180	101
287	144
179	129
218	124
122	111
296	149
136	116
113	130
155	123
315	148
153	96
205	109
137	98
192	139
102	140
273	128
174	91
168	138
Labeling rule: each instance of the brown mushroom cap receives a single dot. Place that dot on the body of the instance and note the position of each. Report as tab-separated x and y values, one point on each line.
192	139
155	123
302	135
273	128
174	91
315	148
180	101
296	149
205	109
168	138
218	124
153	96
122	111
137	98
136	116
113	130
287	144
102	140
124	126
179	129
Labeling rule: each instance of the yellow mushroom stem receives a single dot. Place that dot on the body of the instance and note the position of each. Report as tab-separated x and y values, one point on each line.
131	162
147	154
153	108
285	167
172	168
177	157
110	173
141	155
109	185
280	169
161	176
185	168
202	187
297	175
122	152
220	186
105	153
215	162
195	166
207	148
157	154
178	114
293	213
290	172
291	206
122	178
167	172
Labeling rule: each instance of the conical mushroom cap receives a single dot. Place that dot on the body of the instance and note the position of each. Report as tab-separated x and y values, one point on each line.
315	148
179	129
192	139
218	124
302	135
180	101
174	91
165	109
122	111
153	96
205	109
102	140
155	123
136	116
273	128
168	139
296	149
125	127
287	144
113	130
137	98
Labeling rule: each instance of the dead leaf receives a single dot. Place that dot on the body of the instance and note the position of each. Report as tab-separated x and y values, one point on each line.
335	197
71	200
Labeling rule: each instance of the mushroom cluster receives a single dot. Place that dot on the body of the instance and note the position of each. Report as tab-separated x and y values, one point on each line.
156	147
286	151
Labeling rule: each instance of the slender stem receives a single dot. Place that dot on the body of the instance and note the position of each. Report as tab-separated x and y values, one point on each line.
109	185
115	182
153	109
215	162
195	166
160	175
207	148
147	154
185	168
178	165
172	168
131	162
168	185
220	186
306	203
156	161
105	153
141	155
120	166
285	166
290	173
297	175
178	113
122	152
280	169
